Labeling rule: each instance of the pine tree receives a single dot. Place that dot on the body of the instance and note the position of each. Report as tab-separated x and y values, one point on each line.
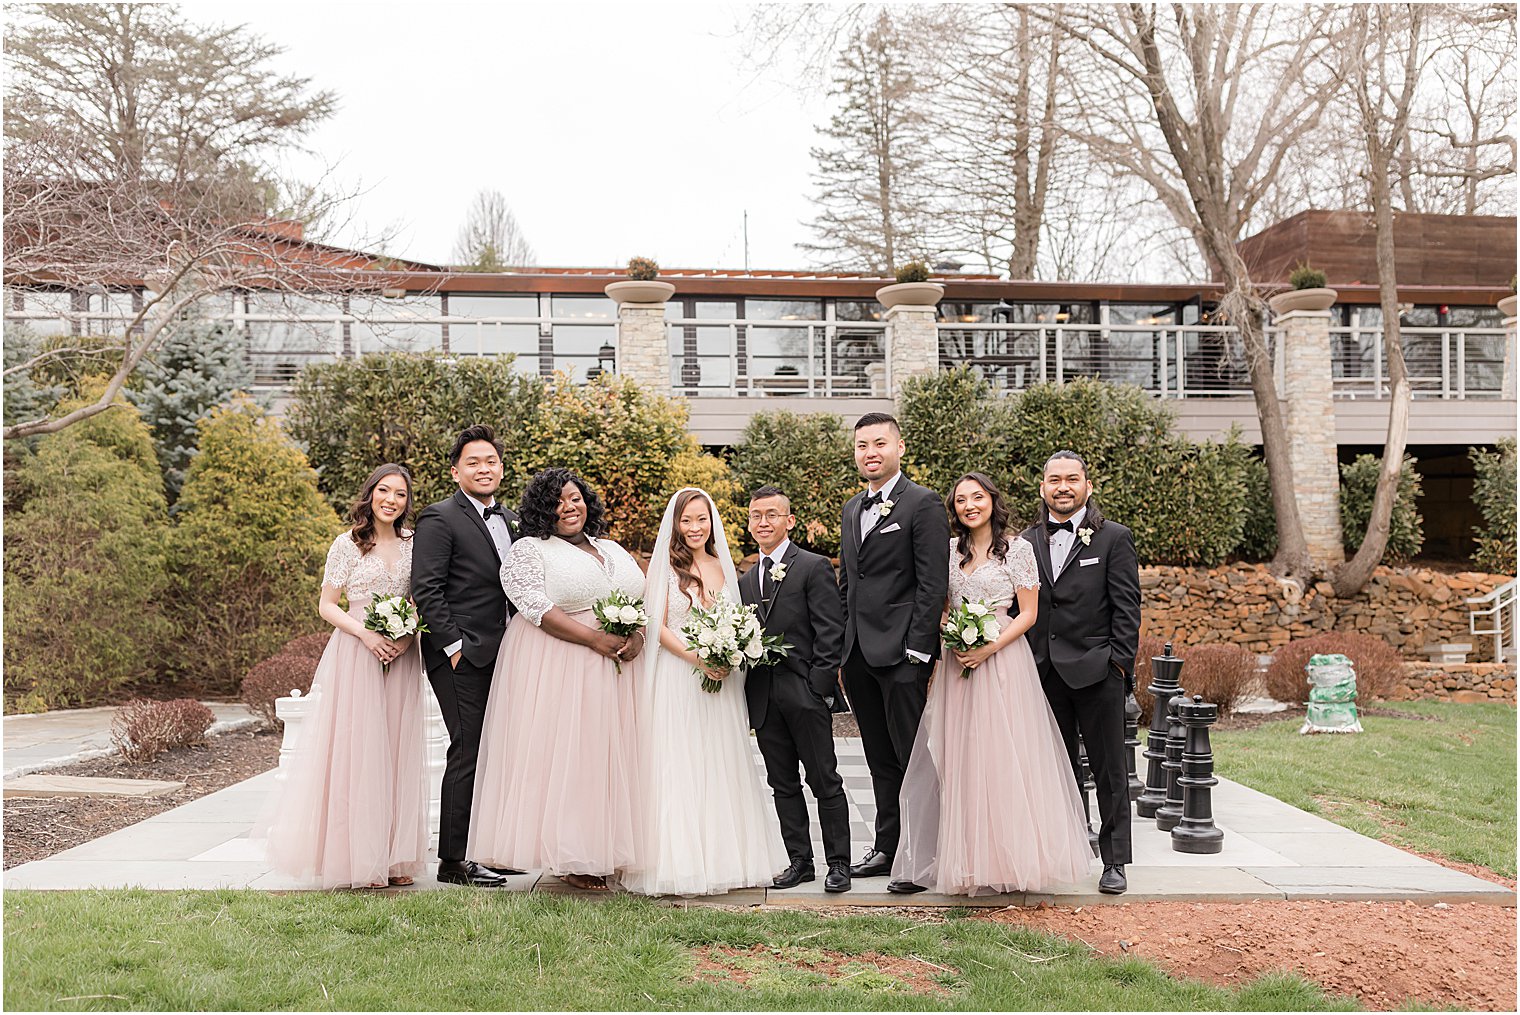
195	370
875	206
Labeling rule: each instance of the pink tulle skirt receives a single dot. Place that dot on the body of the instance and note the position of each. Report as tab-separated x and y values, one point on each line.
988	800
354	805
554	783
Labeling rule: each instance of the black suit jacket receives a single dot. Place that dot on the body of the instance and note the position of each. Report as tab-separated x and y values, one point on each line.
1089	619
456	582
893	583
804	609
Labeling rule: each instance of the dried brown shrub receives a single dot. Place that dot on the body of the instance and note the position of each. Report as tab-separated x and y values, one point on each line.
275	678
142	729
1379	669
1221	673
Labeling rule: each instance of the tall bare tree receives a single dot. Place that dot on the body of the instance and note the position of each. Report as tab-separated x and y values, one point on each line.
875	205
148	95
1170	102
1384	55
491	238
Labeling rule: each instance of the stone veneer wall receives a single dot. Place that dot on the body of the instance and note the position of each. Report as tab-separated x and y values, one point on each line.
1464	682
1244	604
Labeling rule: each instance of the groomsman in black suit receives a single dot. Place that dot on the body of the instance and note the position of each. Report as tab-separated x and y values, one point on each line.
456	562
790	703
1084	641
895	552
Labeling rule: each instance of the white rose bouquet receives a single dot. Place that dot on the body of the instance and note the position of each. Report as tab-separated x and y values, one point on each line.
970	625
394	617
729	635
620	614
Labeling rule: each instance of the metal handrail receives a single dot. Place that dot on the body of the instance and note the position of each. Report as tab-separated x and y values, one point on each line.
855	374
1494	604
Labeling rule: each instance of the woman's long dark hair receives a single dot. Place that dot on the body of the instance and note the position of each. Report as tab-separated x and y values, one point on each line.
1094	518
999	516
682	560
539	511
362	514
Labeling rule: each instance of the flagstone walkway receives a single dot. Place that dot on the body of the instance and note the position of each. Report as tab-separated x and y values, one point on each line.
1271	851
36	743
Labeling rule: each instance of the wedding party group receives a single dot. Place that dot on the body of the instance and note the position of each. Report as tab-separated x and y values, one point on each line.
599	712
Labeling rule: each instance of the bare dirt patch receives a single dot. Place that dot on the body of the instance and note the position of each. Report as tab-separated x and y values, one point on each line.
761	965
38	827
1386	954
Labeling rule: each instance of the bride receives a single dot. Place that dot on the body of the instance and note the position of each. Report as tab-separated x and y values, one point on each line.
708	825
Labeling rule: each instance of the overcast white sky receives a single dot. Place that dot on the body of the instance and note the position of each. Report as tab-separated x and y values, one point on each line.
612	129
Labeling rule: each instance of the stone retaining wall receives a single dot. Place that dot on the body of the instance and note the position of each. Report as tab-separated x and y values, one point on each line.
1245	604
1466	682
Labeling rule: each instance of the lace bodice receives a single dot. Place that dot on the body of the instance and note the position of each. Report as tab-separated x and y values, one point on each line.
995	581
366	575
542	573
678	604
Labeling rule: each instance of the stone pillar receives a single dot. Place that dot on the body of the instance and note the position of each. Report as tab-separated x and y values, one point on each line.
912	344
643	348
1309	414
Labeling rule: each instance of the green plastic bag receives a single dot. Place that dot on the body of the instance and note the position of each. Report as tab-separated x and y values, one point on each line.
1332	696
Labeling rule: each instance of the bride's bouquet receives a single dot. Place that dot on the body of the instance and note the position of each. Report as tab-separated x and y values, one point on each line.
970	625
620	614
394	617
728	634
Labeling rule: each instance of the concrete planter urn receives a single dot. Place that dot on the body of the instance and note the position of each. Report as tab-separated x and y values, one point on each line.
1302	299
910	294
636	291
1507	306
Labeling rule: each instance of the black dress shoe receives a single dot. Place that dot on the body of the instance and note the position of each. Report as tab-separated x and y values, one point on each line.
875	864
468	872
796	874
1112	882
905	888
504	871
838	878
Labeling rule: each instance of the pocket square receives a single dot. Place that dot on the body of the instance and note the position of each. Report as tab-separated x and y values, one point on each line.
1089	560
891	528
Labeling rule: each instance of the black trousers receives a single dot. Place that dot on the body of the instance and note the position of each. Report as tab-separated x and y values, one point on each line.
799	729
1097	713
888	703
461	693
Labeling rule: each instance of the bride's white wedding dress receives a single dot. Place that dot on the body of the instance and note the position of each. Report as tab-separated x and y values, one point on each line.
708	824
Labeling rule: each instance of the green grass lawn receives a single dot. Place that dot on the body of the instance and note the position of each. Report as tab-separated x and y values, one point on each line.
1443	785
116	950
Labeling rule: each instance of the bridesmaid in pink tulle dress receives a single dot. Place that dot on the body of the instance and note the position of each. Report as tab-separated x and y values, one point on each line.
354	806
988	802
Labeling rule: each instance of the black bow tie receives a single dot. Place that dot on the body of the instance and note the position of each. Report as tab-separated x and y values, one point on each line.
872	499
1053	527
494	509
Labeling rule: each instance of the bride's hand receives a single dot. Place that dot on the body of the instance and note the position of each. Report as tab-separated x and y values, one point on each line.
713	672
975	657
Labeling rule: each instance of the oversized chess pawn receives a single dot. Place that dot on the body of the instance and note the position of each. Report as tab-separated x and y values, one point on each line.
1196	831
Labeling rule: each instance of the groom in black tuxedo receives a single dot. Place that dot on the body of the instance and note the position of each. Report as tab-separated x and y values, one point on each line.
790	703
895	556
1084	641
456	563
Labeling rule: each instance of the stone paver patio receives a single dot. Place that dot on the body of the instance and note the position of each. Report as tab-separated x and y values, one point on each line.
1271	851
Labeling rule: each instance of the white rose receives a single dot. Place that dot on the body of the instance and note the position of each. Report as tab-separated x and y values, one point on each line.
385	608
396	626
991	630
628	614
976	609
969	635
754	648
706	636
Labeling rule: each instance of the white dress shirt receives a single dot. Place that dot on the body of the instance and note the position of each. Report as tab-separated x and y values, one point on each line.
768	561
501	535
871	515
1060	543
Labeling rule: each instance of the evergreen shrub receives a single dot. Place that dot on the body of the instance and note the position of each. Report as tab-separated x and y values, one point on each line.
1406	533
248	550
811	456
1494	495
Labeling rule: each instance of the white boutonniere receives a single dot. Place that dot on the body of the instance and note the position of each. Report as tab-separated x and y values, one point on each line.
887	506
1086	536
514	525
778	573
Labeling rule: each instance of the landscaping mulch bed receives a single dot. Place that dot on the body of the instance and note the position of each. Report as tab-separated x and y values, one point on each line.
38	827
1387	954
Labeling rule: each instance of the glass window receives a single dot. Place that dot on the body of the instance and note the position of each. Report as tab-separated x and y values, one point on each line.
1142	313
857	310
1475	317
967	313
594	308
492	305
783	310
286	322
395	325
